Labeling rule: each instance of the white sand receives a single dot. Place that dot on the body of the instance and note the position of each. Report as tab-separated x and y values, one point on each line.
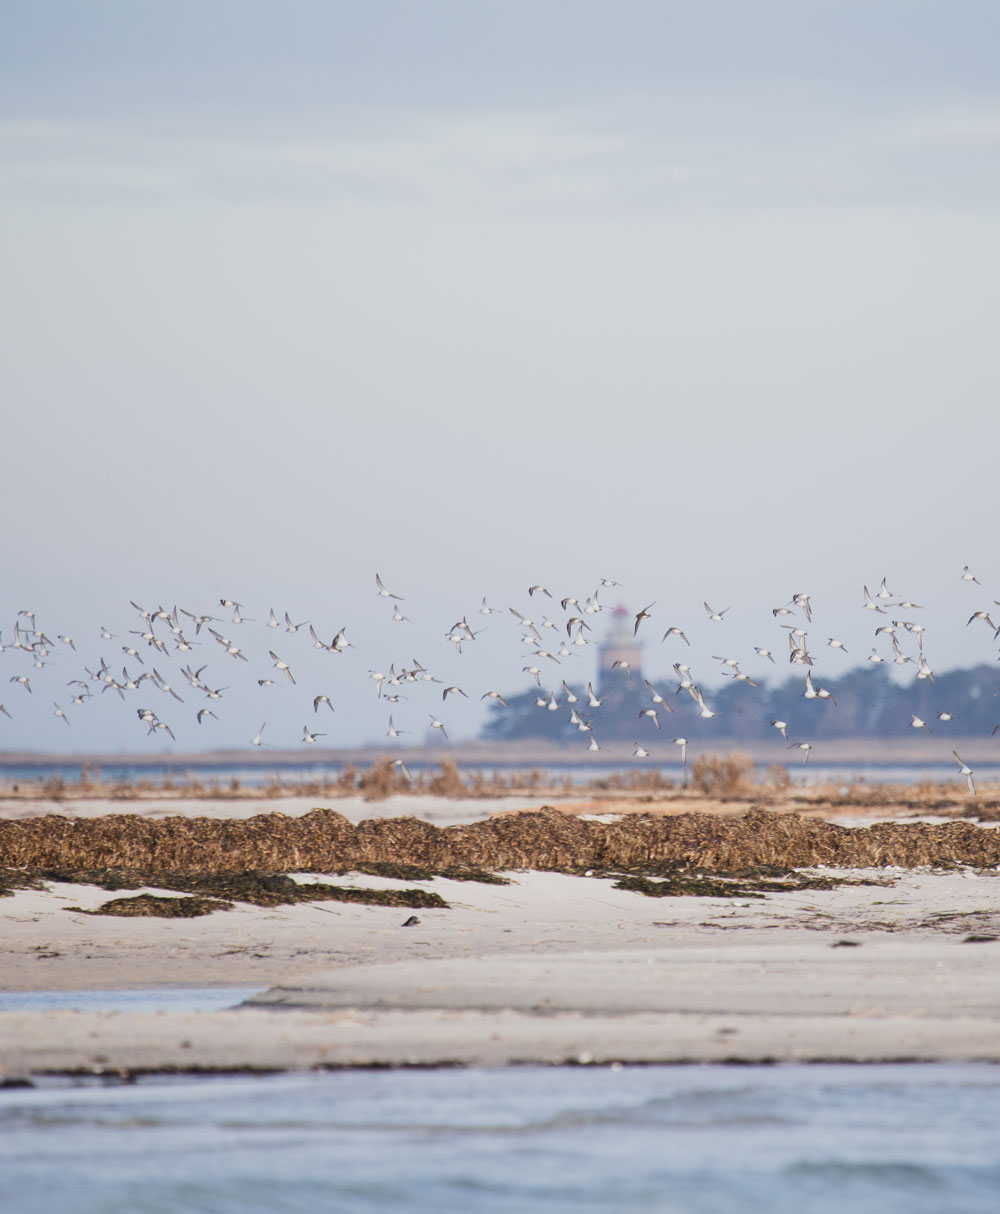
548	969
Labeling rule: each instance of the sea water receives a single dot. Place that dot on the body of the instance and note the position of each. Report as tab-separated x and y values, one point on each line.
700	1139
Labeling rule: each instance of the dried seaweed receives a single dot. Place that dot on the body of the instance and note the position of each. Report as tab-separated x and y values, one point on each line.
325	841
160	908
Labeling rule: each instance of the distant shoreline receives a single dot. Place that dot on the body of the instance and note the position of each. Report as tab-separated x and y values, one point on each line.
870	752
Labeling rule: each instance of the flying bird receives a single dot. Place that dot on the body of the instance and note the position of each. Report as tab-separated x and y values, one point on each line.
382	592
642	615
966	771
282	666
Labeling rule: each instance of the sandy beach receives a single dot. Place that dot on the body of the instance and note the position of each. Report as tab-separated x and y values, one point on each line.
549	968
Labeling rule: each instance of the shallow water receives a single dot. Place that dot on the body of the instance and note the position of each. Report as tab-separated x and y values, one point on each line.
695	1139
582	774
158	999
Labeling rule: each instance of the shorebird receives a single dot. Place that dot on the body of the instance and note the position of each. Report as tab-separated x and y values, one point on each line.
6	713
805	747
164	686
981	615
782	728
966	771
393	732
652	714
642	615
835	644
237	617
639	753
258	739
453	690
609	583
763	653
205	712
916	722
494	695
884	592
535	672
871	604
282	666
321	699
22	679
657	698
623	664
60	714
970	577
401	766
593	744
674	631
944	716
715	616
310	738
290	627
802	602
592	700
436	724
538	590
317	643
198	620
382	592
234	651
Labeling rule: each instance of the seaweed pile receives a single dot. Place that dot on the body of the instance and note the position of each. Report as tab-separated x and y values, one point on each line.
324	841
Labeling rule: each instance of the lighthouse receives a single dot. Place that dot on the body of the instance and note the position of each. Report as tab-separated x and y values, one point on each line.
620	655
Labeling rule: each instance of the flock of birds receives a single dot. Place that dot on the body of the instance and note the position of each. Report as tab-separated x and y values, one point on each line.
164	635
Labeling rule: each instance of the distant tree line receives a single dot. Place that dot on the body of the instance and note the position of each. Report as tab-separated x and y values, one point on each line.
863	703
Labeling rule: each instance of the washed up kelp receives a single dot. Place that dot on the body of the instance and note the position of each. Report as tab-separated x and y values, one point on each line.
325	841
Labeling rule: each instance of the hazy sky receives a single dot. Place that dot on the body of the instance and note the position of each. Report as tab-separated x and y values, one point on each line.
699	298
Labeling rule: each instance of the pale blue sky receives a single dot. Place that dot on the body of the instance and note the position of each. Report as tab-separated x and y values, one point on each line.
484	295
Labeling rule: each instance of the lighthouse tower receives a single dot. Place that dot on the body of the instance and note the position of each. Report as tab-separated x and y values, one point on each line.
620	645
